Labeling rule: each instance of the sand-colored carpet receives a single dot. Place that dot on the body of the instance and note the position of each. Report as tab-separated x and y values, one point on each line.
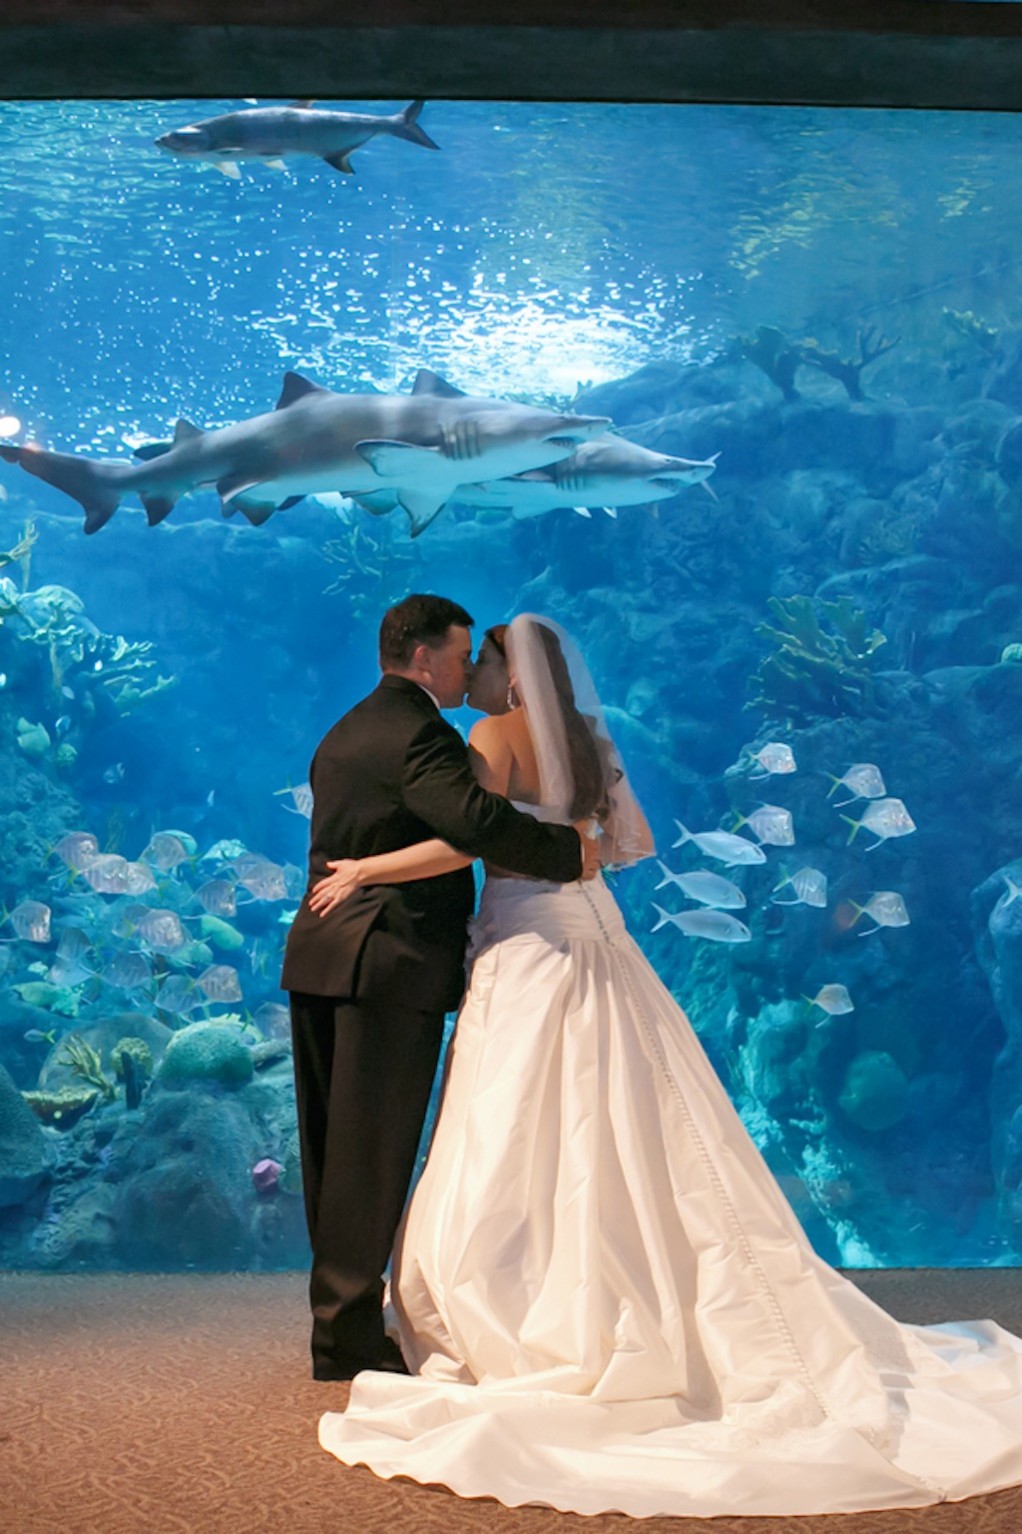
173	1403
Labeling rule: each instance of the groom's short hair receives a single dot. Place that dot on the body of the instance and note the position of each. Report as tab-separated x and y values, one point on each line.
419	619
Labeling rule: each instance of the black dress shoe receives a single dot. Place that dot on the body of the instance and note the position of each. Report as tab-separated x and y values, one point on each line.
342	1367
336	1368
392	1361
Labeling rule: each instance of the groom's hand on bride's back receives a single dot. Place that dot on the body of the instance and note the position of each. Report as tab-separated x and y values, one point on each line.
590	852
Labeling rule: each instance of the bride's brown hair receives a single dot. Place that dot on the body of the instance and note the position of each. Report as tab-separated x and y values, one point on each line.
590	790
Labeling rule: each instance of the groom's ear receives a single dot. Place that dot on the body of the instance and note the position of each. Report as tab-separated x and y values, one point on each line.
420	657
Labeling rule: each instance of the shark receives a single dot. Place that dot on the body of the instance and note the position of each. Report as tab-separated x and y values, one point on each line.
413	449
270	133
606	472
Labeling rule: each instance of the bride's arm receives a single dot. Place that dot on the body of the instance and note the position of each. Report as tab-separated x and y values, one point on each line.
491	763
423	860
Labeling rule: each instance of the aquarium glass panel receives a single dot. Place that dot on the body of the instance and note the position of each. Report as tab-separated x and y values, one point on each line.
793	566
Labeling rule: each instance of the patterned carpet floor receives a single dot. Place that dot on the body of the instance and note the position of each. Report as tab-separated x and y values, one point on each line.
173	1403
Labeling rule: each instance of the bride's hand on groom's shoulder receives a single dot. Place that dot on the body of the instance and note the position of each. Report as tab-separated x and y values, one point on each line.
336	886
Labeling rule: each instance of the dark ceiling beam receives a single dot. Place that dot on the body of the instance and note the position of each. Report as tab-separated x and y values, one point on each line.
917	53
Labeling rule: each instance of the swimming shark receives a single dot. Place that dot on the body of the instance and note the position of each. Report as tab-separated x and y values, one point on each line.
269	133
418	447
605	472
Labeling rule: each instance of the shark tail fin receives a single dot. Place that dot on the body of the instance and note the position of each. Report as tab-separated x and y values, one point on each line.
156	508
93	485
404	125
340	162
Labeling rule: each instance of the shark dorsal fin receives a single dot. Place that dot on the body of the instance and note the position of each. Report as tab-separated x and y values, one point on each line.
184	431
296	387
427	382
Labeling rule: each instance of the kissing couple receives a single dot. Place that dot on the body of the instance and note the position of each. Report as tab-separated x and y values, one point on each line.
601	1299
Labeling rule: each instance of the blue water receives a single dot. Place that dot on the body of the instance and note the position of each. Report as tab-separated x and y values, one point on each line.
548	254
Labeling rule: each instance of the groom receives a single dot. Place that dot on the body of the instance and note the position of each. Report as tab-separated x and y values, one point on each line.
371	979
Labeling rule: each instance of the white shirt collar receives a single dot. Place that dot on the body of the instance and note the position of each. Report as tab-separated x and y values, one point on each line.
429	694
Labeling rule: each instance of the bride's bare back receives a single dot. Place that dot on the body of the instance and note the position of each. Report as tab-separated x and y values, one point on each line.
503	757
504	761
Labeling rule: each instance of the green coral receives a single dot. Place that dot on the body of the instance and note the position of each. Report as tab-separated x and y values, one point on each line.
875	1092
894	535
206	1052
973	328
84	1061
816	670
63	1108
33	739
44	993
80	656
135	1049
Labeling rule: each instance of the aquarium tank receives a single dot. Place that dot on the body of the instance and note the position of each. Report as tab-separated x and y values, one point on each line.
793	561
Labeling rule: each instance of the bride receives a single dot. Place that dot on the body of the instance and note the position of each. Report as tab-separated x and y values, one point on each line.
604	1299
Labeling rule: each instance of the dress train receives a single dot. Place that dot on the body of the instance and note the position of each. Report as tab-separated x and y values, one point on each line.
608	1302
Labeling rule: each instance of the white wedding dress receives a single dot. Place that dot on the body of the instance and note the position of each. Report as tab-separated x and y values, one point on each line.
605	1298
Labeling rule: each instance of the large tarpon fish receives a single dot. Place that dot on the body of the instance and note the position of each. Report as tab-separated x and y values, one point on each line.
605	472
270	133
417	447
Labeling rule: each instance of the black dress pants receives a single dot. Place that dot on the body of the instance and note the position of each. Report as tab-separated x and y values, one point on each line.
363	1073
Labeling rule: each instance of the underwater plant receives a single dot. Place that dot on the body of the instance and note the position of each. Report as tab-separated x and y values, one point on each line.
817	668
771	351
84	1061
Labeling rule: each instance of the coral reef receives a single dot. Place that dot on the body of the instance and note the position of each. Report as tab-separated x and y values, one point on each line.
84	1062
813	671
132	1059
206	1054
25	1159
780	359
875	1091
63	1108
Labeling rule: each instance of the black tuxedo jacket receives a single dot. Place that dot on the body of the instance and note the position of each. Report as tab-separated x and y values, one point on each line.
392	772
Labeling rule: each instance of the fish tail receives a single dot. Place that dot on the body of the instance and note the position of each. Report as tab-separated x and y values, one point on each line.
834	781
664	916
855	824
685	836
156	508
404	125
95	486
